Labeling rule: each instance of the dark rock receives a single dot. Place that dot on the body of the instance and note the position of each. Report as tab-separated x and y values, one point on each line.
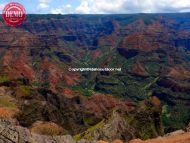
130	53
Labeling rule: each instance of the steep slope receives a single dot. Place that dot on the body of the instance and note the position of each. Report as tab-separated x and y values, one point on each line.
153	52
143	121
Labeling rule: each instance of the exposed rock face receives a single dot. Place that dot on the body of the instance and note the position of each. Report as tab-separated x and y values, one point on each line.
112	128
126	125
188	128
178	132
12	133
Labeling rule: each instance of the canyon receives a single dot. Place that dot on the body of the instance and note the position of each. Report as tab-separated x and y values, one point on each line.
148	98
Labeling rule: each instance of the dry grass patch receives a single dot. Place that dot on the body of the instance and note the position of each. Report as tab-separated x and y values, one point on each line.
7	101
6	112
47	128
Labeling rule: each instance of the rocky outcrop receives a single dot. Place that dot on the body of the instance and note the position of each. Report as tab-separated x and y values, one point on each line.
188	128
108	129
10	132
126	125
174	137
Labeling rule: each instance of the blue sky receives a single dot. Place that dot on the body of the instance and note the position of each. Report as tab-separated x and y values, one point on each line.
45	6
101	6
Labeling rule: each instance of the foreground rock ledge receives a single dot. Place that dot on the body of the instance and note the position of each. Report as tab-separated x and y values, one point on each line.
181	138
11	133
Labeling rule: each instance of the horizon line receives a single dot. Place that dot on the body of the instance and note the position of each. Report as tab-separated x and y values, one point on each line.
106	13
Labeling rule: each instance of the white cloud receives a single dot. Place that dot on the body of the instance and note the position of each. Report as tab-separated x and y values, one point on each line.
43	4
85	6
2	5
66	9
132	6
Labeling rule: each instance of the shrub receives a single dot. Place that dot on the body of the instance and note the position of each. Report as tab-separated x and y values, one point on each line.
46	128
7	112
3	79
23	91
7	101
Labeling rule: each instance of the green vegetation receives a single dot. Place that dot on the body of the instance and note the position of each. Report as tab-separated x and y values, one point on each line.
175	118
40	84
23	91
166	116
151	83
127	19
88	121
188	56
3	79
37	84
136	92
86	60
83	91
120	61
139	89
93	128
153	68
7	101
